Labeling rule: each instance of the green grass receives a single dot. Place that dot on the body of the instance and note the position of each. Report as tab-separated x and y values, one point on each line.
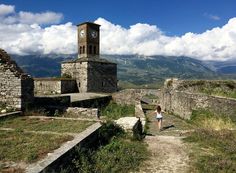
213	151
217	88
115	111
121	154
206	119
28	147
218	91
214	143
25	123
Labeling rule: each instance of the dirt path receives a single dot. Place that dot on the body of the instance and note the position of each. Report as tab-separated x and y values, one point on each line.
168	151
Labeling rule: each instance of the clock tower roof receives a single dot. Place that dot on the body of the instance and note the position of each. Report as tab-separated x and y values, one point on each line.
89	23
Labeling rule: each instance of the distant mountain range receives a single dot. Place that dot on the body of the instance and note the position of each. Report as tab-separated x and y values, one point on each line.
135	69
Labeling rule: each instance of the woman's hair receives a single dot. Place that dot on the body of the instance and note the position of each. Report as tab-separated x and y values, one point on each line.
158	108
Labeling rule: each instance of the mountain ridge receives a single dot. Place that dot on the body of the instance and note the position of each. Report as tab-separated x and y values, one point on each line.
134	69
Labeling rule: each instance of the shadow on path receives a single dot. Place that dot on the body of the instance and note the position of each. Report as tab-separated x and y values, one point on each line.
167	127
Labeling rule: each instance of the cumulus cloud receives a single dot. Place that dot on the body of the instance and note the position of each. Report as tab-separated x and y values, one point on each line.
26	33
39	18
26	39
216	44
23	33
6	9
9	16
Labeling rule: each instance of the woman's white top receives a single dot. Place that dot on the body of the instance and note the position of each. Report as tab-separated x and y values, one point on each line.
158	115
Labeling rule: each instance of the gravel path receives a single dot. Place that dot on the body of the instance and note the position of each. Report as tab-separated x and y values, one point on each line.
169	154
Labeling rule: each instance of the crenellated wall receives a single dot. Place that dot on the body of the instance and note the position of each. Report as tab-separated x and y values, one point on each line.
16	87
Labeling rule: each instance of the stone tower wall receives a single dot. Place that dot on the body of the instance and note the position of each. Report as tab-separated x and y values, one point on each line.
102	77
16	87
92	76
77	71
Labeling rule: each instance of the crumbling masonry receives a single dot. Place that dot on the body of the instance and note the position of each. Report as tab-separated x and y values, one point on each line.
16	87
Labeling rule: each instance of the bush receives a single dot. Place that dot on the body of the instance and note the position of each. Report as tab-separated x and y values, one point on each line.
117	153
138	131
109	130
120	156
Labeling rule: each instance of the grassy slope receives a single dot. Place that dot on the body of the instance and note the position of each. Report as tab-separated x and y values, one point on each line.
214	143
28	147
24	123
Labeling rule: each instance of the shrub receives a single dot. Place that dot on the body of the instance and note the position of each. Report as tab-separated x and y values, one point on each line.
117	153
138	131
120	156
109	130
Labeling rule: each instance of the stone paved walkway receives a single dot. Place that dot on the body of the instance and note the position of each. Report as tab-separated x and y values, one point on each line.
168	151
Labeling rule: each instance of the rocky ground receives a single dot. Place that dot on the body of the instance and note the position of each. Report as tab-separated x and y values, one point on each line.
168	152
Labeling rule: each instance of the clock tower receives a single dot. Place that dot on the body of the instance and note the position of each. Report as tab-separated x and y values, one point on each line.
88	39
90	70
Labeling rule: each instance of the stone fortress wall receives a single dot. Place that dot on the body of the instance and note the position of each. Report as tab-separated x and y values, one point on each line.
16	87
181	97
132	96
47	86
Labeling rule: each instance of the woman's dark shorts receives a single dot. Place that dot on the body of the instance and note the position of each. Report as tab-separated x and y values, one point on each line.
159	119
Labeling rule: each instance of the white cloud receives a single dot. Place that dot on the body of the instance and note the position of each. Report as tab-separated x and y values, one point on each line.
6	9
39	18
215	44
25	33
9	16
26	39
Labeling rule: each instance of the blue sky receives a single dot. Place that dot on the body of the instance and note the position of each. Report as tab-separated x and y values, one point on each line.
201	29
174	17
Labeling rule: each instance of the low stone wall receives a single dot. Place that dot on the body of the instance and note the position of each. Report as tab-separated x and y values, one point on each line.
93	102
183	103
16	87
44	86
139	110
83	112
56	102
130	96
59	159
10	114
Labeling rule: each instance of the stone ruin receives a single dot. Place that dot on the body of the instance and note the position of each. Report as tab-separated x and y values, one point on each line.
181	97
16	87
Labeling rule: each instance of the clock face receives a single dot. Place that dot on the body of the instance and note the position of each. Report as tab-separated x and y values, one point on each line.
94	34
82	33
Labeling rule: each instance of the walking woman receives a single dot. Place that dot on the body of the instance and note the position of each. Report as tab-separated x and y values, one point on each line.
159	116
